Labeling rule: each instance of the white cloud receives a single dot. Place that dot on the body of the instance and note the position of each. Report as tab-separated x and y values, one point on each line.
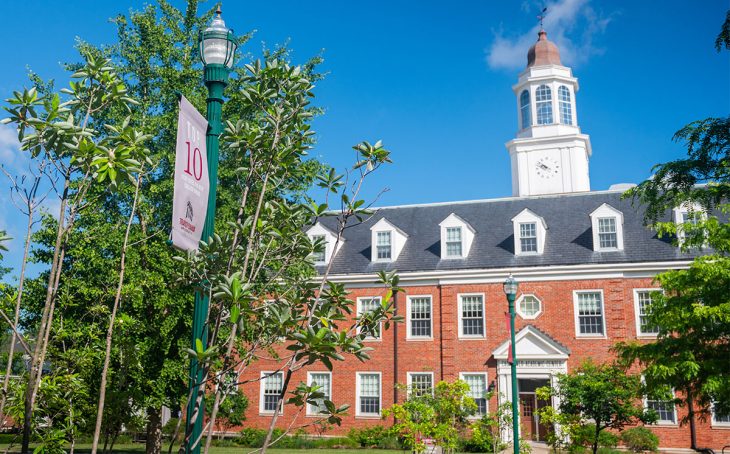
571	24
9	145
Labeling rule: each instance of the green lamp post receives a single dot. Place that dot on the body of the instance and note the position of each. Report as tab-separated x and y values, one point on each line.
217	48
510	288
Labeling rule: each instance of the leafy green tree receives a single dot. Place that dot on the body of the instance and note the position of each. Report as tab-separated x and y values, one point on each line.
605	395
692	313
442	416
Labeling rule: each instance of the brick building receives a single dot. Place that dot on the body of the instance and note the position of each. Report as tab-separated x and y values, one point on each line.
584	260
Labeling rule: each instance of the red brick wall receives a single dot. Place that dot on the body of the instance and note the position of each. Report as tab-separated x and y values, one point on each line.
447	355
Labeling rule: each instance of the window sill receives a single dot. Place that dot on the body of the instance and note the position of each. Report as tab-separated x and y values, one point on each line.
472	338
720	425
591	337
666	425
419	339
373	416
373	339
646	336
269	413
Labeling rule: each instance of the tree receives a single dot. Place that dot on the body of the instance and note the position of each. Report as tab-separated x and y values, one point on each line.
605	395
692	313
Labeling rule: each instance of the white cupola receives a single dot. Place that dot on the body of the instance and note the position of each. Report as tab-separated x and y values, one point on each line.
549	154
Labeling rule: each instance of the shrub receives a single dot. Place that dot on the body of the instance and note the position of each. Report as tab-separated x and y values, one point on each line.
374	437
252	438
640	439
583	437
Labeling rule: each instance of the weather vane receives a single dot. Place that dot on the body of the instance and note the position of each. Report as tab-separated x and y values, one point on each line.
542	15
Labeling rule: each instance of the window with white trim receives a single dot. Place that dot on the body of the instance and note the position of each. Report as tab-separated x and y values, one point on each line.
384	245
719	418
528	237
420	383
544	98
529	307
368	394
271	387
453	242
471	315
369	304
419	317
643	304
607	226
525	109
324	381
319	256
663	408
589	313
477	390
566	110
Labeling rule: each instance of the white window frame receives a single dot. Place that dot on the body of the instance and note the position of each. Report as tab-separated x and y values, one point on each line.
377	245
262	386
486	390
527	216
663	422
410	380
679	213
602	212
313	238
359	312
330	241
637	312
310	408
398	239
467	236
576	316
715	422
518	307
409	336
460	229
358	413
460	298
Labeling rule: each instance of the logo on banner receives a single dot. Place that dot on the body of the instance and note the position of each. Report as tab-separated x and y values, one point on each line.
190	193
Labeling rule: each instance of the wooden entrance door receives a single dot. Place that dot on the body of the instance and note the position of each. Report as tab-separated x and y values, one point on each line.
528	418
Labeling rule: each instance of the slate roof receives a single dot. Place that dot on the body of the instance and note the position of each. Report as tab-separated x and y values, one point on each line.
569	239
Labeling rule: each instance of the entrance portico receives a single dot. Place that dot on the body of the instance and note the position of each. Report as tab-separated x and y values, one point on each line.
539	358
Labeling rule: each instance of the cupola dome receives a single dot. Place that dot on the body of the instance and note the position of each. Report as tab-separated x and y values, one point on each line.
543	52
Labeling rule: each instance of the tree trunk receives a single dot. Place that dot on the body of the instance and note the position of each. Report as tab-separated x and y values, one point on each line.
110	329
595	441
154	431
11	353
691	416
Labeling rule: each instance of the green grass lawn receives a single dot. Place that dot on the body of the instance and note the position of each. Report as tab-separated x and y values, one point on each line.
137	448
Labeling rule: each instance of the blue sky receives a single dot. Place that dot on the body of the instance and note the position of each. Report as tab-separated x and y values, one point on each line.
433	79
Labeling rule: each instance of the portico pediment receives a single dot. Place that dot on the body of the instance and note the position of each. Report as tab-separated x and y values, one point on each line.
533	344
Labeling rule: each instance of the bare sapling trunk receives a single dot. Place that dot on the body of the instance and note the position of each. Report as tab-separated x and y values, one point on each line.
110	329
36	368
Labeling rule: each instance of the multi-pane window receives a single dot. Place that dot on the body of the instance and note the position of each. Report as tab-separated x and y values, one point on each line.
663	408
420	317
566	110
590	313
525	109
324	381
477	391
319	256
544	105
719	418
368	394
420	384
528	237
529	306
607	237
366	305
691	218
383	245
272	385
472	316
453	241
643	304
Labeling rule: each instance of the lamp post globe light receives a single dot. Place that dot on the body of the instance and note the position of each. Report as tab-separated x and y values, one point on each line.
217	45
510	287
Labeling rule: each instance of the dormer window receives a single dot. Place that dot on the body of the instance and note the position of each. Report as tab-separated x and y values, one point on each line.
319	256
319	232
687	216
529	231
453	242
384	245
457	237
607	225
387	241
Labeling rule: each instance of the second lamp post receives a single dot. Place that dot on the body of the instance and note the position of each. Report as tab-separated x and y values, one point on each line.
510	287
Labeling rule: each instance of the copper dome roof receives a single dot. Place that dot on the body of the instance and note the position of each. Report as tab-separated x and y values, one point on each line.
543	52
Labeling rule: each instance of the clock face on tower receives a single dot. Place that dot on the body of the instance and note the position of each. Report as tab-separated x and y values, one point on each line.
547	168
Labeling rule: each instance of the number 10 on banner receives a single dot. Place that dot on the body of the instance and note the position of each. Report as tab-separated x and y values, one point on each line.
197	157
